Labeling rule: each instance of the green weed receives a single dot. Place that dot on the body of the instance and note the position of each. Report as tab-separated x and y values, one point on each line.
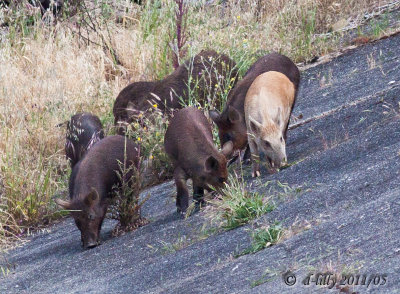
179	244
149	133
237	206
126	203
263	238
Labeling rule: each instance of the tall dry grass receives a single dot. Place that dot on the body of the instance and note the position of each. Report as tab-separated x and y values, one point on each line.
48	73
291	27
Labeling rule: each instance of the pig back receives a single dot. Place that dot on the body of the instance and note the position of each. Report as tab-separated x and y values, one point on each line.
188	136
99	167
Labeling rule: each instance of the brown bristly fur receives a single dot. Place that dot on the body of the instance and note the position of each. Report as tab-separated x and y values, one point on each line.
189	143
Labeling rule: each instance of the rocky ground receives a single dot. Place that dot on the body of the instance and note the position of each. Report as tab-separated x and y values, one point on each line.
341	203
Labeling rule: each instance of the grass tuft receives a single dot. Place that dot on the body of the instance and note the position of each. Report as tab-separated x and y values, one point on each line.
263	238
236	206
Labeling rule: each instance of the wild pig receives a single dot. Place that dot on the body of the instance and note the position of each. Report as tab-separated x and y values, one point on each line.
91	183
205	70
209	71
231	122
44	5
189	143
56	5
268	104
83	131
131	103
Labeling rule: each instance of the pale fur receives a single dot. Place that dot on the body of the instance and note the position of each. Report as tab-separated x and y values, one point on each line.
267	108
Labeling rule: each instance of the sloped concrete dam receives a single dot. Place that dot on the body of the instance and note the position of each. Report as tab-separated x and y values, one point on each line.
342	205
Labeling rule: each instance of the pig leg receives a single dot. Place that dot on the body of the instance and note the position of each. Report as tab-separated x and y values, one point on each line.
285	130
255	158
182	195
246	155
198	195
245	158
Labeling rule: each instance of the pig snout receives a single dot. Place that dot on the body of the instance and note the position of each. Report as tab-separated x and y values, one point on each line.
275	160
91	245
90	241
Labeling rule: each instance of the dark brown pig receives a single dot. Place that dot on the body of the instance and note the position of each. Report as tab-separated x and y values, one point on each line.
132	102
231	122
205	70
55	5
83	131
189	143
91	183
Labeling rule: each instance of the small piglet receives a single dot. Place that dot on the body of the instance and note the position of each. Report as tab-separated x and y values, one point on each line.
83	131
92	181
189	143
267	108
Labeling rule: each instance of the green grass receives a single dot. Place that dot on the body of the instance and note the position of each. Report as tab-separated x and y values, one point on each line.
244	208
263	238
179	244
237	206
379	26
34	208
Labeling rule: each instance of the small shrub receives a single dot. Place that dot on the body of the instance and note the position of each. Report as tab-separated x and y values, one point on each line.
263	238
126	203
92	26
149	134
151	18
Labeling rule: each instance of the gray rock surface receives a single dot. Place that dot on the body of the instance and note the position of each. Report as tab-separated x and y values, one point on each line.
344	197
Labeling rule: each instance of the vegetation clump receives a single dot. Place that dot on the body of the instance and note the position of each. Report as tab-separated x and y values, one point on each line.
263	237
236	206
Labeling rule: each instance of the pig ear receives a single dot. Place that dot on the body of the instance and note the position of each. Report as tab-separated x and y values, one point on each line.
214	114
227	149
255	126
63	204
211	164
92	197
233	114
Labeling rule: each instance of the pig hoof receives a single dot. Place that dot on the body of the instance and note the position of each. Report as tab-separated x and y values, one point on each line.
246	162
91	245
256	174
180	214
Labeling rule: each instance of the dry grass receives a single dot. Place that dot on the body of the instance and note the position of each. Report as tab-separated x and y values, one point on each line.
48	73
293	28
